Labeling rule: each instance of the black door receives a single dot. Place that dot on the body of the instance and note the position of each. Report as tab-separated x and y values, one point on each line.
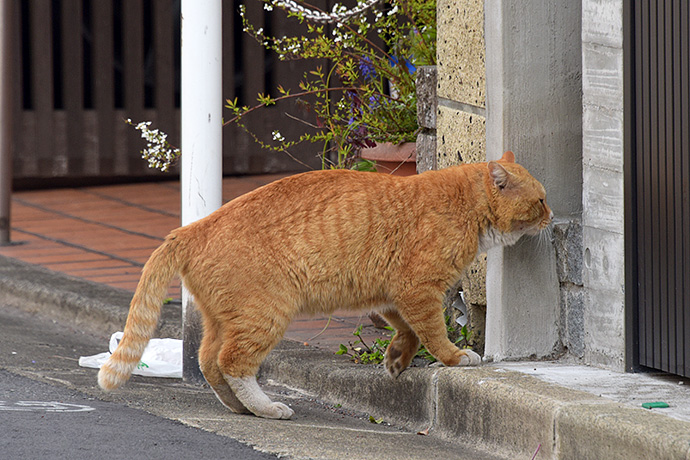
658	184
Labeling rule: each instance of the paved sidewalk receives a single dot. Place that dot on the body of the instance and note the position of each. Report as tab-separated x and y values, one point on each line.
105	234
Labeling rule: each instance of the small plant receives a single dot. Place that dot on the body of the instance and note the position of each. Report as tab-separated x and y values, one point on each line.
378	421
367	93
362	353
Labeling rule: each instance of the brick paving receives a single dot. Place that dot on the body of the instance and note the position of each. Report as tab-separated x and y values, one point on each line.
105	234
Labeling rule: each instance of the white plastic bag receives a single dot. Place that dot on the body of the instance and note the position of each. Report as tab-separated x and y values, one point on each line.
161	358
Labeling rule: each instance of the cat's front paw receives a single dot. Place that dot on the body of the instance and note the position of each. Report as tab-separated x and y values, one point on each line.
469	358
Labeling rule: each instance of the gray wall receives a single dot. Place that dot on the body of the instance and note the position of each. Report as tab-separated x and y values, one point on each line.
534	107
602	217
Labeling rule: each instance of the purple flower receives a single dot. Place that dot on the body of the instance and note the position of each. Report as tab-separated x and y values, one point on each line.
410	66
367	68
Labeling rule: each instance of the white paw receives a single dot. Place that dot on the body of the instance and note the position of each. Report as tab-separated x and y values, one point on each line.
470	359
249	393
276	410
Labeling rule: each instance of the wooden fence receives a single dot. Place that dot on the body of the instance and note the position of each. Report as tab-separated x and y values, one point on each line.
83	66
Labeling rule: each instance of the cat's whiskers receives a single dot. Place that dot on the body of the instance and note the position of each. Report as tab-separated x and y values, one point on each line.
545	236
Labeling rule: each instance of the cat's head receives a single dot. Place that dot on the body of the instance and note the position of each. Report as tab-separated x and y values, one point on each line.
517	200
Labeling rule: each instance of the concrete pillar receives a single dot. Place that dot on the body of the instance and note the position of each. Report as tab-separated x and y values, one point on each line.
534	108
603	183
202	142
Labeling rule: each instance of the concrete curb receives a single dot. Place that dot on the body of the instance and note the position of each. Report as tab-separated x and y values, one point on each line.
95	307
513	411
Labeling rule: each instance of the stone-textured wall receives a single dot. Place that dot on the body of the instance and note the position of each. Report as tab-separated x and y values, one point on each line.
461	118
602	217
426	117
461	122
567	239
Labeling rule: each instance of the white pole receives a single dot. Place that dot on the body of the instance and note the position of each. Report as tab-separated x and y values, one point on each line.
6	108
201	160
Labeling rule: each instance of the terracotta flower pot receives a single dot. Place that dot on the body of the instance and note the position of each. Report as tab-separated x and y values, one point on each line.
398	159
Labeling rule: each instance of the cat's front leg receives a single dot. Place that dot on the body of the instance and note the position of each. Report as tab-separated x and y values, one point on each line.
425	317
467	358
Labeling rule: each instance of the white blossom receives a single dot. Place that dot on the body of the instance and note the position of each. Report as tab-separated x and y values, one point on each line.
158	152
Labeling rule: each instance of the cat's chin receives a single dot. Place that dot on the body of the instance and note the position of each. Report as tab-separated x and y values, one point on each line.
492	238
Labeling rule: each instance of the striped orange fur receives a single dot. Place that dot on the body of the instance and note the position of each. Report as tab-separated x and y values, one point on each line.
327	240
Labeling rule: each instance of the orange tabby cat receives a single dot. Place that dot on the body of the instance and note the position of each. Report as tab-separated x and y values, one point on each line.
327	240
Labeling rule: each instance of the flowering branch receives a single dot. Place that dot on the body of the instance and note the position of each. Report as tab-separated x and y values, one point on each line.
265	101
158	152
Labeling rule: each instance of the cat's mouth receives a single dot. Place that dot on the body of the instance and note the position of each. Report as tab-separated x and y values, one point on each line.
533	228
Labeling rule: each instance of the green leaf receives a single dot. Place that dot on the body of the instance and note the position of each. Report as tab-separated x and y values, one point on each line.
364	165
342	350
373	420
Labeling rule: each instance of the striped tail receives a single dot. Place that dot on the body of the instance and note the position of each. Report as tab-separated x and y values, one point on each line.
143	316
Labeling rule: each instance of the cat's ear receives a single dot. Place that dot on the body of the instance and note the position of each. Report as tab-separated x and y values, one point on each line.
498	174
508	157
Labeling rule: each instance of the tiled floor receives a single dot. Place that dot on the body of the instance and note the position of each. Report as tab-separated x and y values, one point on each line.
106	234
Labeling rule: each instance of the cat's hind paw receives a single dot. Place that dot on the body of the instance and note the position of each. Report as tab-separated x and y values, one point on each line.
251	396
393	362
275	410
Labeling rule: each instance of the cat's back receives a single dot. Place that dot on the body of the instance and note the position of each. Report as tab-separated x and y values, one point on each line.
308	208
344	196
331	197
316	193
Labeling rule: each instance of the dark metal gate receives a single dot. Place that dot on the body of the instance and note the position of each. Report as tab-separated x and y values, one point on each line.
83	66
658	184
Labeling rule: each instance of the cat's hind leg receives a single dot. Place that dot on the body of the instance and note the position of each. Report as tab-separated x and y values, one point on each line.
248	391
208	362
404	344
247	338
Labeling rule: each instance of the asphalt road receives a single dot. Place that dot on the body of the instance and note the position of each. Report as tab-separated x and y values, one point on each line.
50	408
42	421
